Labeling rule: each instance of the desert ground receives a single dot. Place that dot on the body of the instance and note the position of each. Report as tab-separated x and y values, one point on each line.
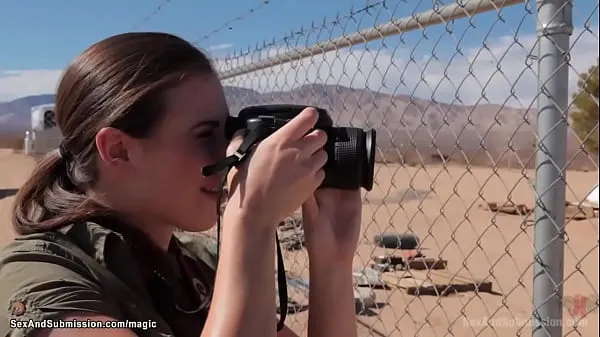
440	203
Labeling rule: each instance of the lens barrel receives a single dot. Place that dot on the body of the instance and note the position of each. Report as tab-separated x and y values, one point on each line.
351	162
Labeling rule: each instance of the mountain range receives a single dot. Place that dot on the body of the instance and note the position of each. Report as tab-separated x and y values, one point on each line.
409	129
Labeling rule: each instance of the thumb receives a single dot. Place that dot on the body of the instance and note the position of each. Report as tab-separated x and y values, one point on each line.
310	208
235	142
233	173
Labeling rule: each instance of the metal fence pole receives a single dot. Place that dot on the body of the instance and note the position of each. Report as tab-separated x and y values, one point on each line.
554	27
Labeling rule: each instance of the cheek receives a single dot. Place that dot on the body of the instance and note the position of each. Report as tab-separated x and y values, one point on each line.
177	170
183	170
169	170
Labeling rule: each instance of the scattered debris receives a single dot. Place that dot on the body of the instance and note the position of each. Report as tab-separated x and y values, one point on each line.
427	263
417	274
364	298
368	277
293	307
573	211
580	212
292	222
293	241
507	208
397	240
291	233
392	260
416	261
434	282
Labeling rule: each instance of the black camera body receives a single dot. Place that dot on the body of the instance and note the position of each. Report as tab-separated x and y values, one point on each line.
351	151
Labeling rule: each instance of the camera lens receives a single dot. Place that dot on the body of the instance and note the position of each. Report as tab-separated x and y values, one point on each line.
351	163
369	159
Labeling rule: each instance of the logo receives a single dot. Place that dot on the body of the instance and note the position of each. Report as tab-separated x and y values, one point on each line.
579	305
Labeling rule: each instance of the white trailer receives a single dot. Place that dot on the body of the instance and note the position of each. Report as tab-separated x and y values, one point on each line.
44	136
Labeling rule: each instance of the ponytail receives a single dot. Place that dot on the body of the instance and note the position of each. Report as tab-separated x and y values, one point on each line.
49	199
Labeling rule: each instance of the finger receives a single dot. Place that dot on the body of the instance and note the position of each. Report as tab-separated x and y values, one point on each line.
235	143
317	181
313	142
232	182
310	208
319	178
232	176
318	160
298	126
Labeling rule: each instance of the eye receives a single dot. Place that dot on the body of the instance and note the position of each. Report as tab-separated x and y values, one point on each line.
205	134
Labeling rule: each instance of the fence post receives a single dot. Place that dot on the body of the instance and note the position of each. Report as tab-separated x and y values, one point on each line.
554	27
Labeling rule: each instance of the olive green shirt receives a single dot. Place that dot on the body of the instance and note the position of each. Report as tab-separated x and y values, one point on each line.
90	268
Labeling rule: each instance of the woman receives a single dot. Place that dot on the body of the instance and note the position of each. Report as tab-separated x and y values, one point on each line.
141	114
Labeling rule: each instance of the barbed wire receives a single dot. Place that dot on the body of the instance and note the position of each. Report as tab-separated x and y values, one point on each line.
154	12
306	31
227	24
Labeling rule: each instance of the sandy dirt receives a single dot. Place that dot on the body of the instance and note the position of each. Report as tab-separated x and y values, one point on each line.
441	205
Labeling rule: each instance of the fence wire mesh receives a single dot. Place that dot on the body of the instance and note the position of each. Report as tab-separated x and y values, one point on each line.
453	90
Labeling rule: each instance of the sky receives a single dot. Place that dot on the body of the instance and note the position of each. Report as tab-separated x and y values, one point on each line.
483	59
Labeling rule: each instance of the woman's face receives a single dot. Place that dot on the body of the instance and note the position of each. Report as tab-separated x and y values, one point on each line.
168	179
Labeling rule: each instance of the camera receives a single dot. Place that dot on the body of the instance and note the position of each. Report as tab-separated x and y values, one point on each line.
350	164
351	151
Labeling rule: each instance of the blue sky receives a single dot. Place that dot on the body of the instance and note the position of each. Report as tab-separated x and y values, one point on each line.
46	35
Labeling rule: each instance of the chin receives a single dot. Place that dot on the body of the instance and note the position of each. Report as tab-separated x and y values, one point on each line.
199	214
200	223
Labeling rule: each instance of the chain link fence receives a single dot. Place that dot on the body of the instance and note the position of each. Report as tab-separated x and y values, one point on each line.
486	115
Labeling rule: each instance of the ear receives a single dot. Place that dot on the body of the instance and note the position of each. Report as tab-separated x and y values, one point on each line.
115	148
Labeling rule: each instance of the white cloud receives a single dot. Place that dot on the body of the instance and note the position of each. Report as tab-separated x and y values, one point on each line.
500	73
19	83
221	46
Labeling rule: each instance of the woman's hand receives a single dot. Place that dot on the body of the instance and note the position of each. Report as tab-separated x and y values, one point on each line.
331	219
281	172
277	177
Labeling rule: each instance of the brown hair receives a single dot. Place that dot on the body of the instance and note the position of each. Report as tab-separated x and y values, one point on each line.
118	83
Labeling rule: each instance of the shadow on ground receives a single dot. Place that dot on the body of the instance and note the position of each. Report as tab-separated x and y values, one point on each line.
402	195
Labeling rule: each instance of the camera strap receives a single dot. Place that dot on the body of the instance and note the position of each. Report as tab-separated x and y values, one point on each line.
227	164
235	159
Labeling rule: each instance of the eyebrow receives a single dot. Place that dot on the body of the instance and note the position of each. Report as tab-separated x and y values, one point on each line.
210	123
